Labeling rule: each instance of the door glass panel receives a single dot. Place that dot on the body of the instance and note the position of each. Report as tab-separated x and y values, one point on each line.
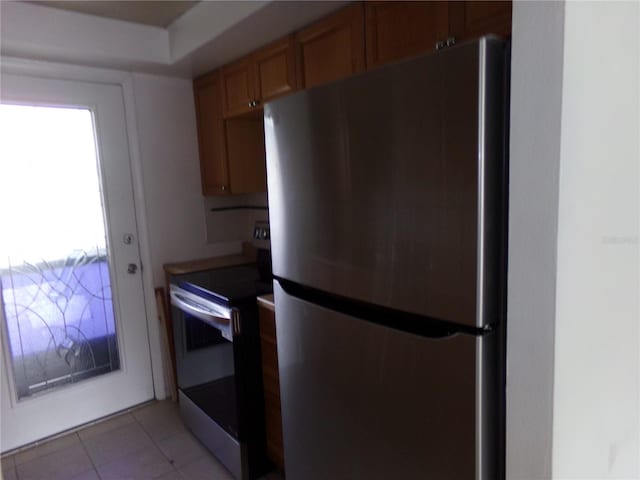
54	268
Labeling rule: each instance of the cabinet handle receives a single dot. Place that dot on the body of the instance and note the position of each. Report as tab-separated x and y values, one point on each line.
451	41
250	103
224	187
439	44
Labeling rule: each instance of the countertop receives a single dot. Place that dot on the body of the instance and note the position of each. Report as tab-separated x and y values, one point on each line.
267	302
247	256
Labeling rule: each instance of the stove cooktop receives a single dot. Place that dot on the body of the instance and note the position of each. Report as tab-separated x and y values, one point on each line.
227	286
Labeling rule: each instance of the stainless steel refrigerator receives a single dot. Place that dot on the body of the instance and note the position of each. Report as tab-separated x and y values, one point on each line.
387	201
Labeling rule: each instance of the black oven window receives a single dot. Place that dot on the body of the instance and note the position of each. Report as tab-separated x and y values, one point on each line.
200	335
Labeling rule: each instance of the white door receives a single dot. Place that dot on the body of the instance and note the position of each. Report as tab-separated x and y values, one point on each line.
74	333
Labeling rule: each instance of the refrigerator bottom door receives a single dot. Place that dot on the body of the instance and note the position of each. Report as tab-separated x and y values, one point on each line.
363	401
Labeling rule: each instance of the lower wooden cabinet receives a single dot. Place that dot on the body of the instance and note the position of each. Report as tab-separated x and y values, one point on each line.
271	382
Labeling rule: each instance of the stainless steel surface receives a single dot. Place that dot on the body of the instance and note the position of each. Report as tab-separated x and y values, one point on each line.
261	235
362	401
132	268
491	213
211	313
382	187
227	449
237	330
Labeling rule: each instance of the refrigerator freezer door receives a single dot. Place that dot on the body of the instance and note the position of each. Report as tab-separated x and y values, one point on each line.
362	401
386	187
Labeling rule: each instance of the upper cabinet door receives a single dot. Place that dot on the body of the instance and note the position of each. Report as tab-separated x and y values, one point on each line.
275	72
211	142
332	48
245	153
397	30
471	19
237	82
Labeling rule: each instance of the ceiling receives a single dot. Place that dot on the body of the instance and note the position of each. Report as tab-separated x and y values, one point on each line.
154	13
206	35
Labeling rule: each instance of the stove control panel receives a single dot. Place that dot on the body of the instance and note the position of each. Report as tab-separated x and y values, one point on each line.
261	235
261	232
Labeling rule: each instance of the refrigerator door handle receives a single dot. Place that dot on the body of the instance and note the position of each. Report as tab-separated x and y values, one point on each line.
429	327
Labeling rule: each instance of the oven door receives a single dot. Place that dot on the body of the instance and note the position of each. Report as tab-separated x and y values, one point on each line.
205	356
207	376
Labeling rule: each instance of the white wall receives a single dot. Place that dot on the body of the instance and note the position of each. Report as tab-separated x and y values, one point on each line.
597	370
536	88
205	37
168	145
573	367
34	31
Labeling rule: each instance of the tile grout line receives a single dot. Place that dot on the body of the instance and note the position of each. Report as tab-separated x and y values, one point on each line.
76	429
86	451
155	444
55	452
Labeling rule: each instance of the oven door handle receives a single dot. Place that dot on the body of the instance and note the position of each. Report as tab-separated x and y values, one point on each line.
220	316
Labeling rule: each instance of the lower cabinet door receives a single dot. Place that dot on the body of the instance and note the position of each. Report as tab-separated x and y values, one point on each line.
270	380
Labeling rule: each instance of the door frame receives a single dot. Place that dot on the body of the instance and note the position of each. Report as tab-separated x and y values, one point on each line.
61	71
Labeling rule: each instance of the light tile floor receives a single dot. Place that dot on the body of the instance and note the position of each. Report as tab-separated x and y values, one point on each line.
150	442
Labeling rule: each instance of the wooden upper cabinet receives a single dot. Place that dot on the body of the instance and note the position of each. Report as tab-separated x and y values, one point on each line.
472	19
229	101
246	153
396	30
211	137
331	48
237	82
274	70
259	77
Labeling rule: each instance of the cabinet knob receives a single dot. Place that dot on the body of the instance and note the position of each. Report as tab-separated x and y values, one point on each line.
250	103
224	187
451	41
439	44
